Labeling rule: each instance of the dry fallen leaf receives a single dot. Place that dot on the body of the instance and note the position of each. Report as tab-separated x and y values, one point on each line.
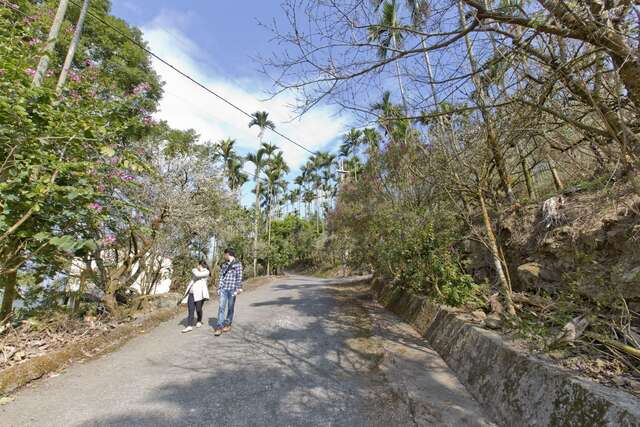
7	399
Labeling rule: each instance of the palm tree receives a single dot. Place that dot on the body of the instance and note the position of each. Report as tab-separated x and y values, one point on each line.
392	119
299	181
258	160
320	169
371	138
232	163
294	199
329	188
310	172
269	149
275	171
388	34
349	147
389	112
353	164
308	197
225	148
237	178
261	119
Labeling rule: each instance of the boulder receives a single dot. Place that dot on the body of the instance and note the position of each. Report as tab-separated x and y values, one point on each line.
478	316
534	276
168	300
493	321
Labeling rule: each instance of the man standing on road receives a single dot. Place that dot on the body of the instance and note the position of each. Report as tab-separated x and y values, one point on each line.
229	287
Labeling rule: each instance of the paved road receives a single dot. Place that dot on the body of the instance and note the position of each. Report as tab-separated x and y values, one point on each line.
303	352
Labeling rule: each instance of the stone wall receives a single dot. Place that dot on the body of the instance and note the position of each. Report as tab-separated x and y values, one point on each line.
514	388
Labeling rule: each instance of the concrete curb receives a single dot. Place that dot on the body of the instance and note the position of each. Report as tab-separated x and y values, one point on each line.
18	376
515	389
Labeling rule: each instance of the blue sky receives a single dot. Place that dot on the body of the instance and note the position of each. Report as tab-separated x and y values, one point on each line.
226	31
215	42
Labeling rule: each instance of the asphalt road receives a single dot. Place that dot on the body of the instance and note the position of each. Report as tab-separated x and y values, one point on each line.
303	352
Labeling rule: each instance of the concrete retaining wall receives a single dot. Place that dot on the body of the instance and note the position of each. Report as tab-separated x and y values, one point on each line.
514	388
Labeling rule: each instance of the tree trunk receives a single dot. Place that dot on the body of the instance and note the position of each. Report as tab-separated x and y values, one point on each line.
495	255
554	173
110	302
525	171
527	178
317	211
72	47
492	138
51	43
256	227
9	281
269	237
399	75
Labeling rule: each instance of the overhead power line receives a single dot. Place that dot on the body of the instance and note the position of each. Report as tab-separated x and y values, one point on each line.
187	76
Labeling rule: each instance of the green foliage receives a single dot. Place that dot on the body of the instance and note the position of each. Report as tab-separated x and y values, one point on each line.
62	157
402	230
292	242
88	175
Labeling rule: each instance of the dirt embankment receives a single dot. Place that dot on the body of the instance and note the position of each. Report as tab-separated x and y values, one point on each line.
575	267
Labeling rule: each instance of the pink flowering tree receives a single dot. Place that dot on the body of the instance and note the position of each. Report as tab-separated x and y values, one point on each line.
67	161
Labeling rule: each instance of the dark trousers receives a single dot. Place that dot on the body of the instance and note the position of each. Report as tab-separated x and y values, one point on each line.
194	306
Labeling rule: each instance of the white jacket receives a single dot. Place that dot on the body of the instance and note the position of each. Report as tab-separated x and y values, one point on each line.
198	285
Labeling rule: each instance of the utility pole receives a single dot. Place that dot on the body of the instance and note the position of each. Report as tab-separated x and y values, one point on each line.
72	47
51	43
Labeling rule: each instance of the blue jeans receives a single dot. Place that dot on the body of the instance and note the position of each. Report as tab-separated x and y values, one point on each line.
225	309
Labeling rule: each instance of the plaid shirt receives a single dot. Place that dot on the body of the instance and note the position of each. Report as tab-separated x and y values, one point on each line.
230	280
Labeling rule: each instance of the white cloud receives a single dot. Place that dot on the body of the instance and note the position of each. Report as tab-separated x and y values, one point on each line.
185	105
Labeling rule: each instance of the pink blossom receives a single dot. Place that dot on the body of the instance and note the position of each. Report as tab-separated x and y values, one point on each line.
114	160
108	240
96	206
141	88
30	19
147	120
74	76
124	176
89	63
49	73
30	71
101	188
34	41
2	72
71	29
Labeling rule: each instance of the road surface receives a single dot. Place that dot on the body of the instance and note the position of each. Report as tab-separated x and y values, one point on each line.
303	352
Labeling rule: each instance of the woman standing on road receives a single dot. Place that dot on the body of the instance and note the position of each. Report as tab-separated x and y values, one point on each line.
197	293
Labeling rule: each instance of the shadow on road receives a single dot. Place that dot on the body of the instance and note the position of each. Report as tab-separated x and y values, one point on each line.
308	358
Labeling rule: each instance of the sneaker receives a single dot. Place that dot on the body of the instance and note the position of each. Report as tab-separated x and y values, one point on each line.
187	329
226	328
217	332
199	325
